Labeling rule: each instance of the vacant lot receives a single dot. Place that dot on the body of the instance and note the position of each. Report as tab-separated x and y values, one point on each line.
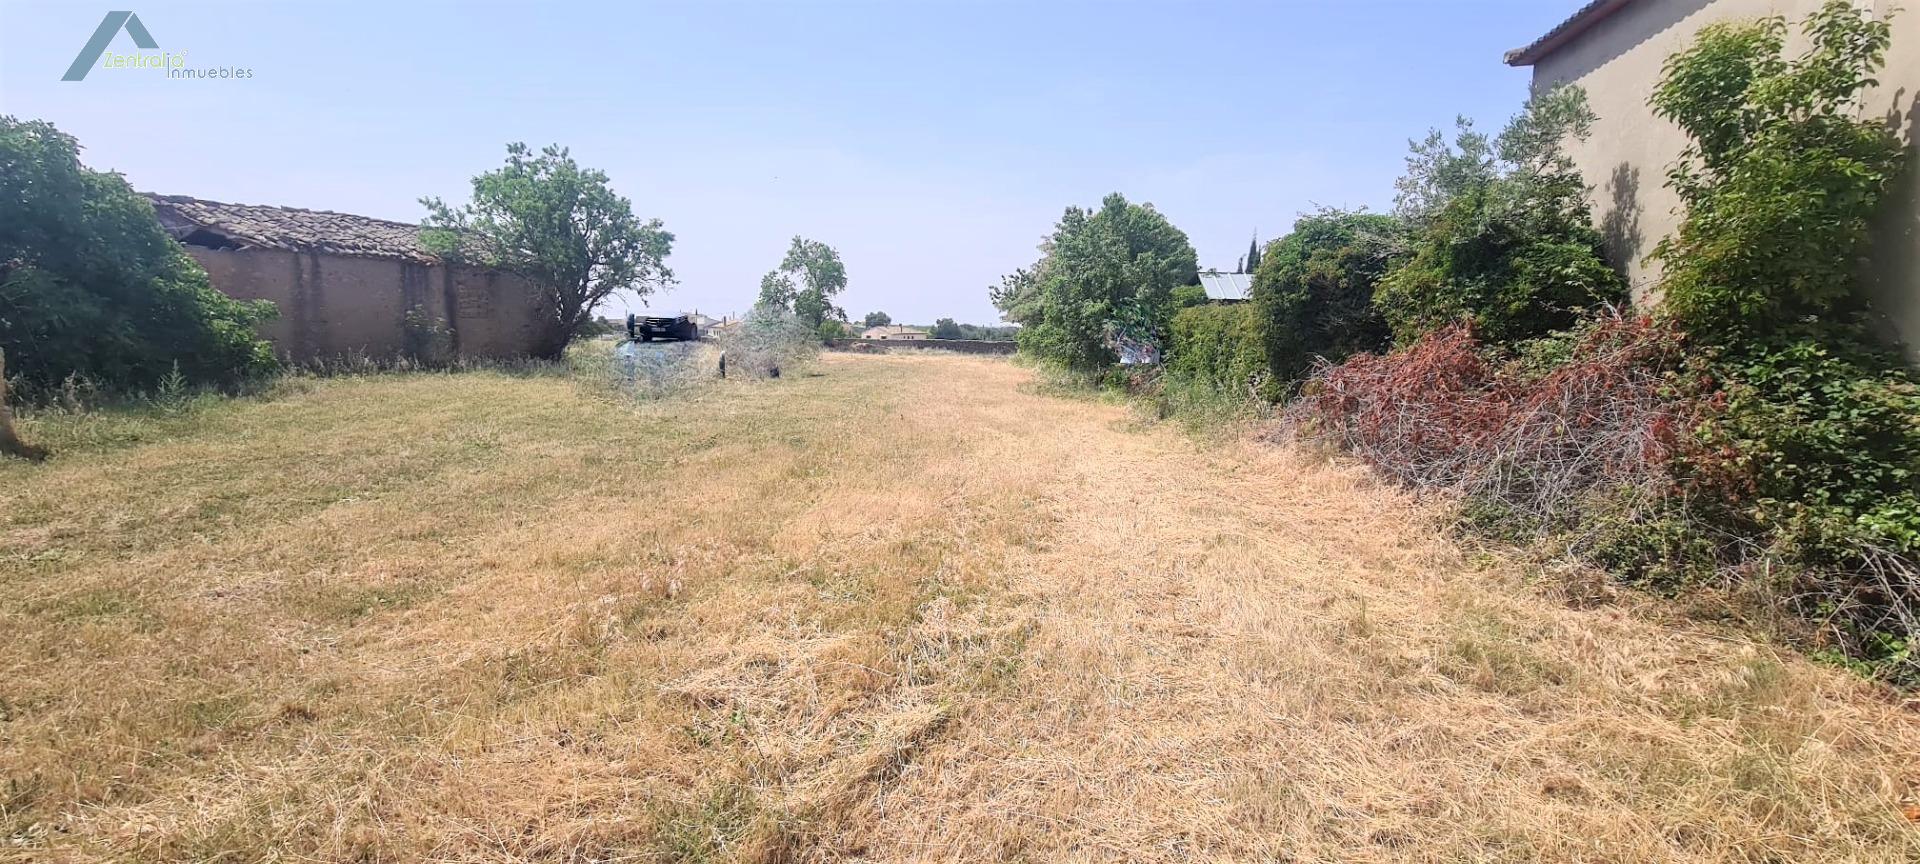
906	608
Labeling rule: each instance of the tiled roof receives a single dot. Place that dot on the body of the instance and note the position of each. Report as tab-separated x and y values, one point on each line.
1589	15
262	226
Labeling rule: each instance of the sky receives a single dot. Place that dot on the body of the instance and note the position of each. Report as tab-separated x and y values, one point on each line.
934	144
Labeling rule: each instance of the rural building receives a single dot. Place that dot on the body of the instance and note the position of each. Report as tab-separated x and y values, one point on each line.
896	333
1227	287
353	285
1615	50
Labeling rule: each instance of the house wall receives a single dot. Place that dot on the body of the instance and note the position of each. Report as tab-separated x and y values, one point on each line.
1626	158
332	305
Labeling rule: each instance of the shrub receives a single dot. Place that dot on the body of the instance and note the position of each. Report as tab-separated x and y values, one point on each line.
1781	178
1216	355
92	287
1123	260
1503	234
1587	446
1313	292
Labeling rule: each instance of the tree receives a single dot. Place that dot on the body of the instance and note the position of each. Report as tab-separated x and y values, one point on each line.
1781	179
1018	294
1502	231
1313	294
559	226
1114	266
1251	263
947	328
821	277
877	319
92	286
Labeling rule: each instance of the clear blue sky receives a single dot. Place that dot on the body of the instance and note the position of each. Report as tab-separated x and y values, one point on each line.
933	144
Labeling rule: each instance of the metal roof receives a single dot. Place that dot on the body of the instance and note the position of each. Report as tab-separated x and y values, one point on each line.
1227	286
1570	29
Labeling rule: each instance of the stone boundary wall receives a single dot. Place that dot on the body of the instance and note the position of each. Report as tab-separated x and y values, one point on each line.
964	346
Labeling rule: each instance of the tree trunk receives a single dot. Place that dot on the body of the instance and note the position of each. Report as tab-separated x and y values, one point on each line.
10	443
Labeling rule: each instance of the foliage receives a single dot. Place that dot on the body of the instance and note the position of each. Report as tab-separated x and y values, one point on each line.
1250	262
1217	352
1502	230
1101	265
766	342
1313	293
1781	178
559	226
876	319
1830	430
1580	439
91	286
1780	181
821	277
1018	294
981	332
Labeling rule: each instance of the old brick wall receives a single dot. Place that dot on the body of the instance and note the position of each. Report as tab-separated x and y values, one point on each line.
333	306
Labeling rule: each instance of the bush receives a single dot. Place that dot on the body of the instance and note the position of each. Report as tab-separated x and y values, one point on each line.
1585	448
92	287
1503	233
1216	355
1781	179
1313	292
1122	261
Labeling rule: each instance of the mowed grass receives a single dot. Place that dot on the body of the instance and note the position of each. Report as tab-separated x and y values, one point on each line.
900	608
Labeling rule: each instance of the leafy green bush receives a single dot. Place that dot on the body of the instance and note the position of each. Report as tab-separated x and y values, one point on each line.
1313	292
92	287
1502	232
1216	354
1781	181
1123	260
1781	178
1830	429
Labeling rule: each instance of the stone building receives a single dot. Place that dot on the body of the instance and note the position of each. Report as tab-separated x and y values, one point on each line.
356	286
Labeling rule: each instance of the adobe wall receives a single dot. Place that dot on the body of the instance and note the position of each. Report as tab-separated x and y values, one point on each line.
333	306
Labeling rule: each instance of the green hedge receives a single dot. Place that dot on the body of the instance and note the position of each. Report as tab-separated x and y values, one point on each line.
1216	353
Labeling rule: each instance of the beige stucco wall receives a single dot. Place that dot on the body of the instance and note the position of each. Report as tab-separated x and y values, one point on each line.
334	306
1626	158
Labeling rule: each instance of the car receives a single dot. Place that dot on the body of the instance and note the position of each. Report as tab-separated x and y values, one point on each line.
646	328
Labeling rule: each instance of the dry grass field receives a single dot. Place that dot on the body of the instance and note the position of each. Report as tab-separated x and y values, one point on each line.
898	609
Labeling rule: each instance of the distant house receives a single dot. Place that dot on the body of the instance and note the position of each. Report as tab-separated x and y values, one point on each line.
896	332
1615	50
1227	287
350	284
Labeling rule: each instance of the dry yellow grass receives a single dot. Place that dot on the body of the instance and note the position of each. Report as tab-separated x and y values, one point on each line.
905	609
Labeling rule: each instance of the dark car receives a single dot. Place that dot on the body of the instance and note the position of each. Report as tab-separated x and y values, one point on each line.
647	328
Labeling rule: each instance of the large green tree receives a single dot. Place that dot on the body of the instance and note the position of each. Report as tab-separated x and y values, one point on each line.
561	227
1116	266
92	286
806	282
877	319
1503	233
